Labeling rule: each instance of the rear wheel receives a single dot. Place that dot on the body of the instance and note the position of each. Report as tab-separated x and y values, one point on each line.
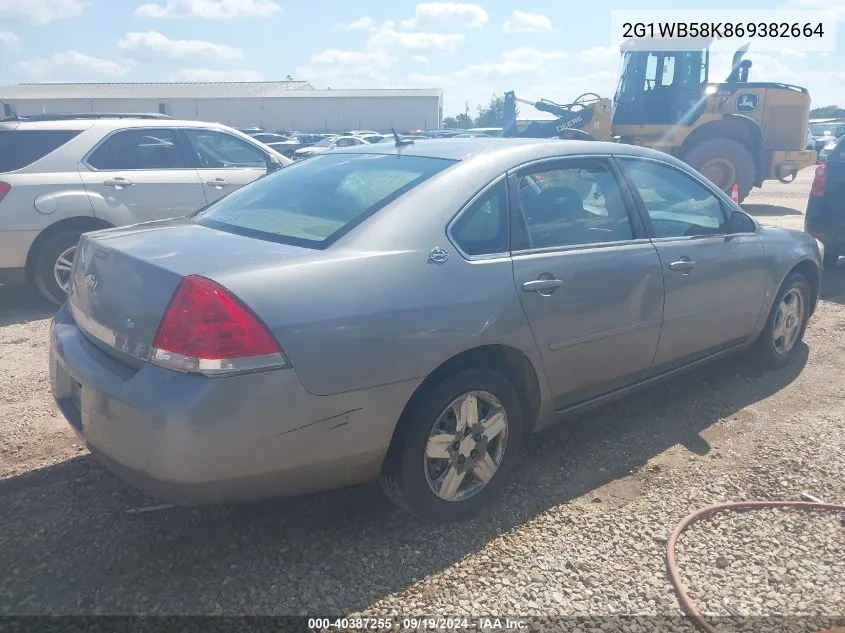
786	324
723	162
455	451
51	271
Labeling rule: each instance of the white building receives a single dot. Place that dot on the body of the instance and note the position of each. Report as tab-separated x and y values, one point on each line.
272	105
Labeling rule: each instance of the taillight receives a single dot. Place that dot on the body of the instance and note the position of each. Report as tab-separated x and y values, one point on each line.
5	188
206	330
819	181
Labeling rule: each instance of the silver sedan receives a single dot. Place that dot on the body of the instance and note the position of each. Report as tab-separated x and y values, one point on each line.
410	314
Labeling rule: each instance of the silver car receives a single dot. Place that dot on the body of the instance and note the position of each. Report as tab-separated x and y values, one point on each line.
410	314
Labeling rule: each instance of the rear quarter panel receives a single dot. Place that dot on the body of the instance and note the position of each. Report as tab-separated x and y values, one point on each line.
38	200
372	310
784	250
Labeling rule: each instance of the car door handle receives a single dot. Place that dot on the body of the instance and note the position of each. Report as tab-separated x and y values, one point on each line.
683	265
217	182
117	182
542	285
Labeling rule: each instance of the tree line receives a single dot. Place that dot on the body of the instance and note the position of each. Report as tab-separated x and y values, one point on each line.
828	112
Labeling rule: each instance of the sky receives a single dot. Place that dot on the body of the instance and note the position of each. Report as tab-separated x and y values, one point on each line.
472	51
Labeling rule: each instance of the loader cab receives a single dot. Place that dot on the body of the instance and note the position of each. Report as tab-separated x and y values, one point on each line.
661	87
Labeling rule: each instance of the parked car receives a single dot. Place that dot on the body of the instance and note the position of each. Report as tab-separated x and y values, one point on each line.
327	145
61	176
410	314
823	131
374	138
283	144
825	216
826	150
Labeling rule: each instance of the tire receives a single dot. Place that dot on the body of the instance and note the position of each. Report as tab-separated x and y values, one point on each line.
766	350
831	258
405	476
736	153
45	262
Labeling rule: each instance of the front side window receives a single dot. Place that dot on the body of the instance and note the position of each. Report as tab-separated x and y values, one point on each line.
677	205
218	150
21	148
312	203
138	149
578	202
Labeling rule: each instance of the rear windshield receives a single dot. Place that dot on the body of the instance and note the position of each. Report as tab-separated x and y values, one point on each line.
314	202
21	148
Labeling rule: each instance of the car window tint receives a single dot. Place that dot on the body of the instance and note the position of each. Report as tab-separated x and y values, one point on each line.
483	228
677	205
314	201
579	202
138	149
218	150
21	148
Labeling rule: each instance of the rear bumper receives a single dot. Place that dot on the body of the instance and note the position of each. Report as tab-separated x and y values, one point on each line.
192	440
14	248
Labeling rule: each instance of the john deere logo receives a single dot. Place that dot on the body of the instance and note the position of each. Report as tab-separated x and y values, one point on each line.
746	102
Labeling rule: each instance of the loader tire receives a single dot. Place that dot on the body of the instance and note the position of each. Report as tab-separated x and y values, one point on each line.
723	162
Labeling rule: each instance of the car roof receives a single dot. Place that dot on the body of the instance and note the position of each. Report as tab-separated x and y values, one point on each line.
86	124
461	149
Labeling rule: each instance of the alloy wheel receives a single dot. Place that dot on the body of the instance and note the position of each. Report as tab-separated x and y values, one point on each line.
62	268
465	446
788	321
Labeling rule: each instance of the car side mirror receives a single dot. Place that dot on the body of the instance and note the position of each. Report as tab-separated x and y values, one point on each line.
741	223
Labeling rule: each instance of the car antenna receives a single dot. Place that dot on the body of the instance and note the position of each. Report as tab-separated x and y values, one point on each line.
401	142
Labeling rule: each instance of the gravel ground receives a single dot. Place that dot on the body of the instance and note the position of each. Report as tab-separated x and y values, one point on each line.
581	531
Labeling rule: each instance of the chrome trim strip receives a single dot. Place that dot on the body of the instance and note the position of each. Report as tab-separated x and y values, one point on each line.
217	366
91	326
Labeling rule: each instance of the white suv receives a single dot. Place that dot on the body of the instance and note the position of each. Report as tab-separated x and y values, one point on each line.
61	176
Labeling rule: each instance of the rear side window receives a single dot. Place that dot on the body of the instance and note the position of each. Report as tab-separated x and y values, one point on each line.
138	149
21	148
314	202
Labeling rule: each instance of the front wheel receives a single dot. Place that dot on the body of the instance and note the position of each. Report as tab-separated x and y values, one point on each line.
51	271
786	324
455	451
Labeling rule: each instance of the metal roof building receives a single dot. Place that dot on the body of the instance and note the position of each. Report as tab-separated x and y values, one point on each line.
273	105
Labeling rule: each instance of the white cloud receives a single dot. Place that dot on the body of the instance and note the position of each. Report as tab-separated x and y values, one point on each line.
347	69
7	38
340	77
421	59
600	55
522	22
389	37
155	42
447	14
835	9
350	58
207	75
41	11
365	23
210	9
73	64
514	62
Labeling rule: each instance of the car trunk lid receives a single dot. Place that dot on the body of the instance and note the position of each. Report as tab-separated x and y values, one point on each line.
123	279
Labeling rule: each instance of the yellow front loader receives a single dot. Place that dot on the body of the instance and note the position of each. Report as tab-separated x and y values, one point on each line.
732	131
